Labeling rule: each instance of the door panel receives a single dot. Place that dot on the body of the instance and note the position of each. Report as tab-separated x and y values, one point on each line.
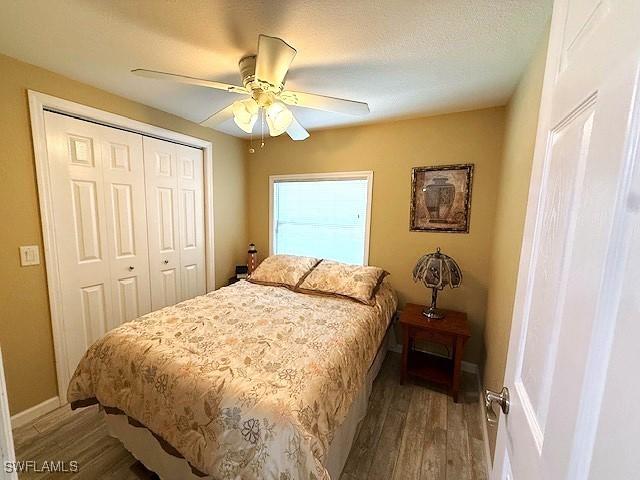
190	281
123	172
85	215
175	200
166	225
192	246
583	18
165	160
94	312
81	150
169	286
119	155
128	294
562	187
162	208
121	203
190	220
97	187
78	194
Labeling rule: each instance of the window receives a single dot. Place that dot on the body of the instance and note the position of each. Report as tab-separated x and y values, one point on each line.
322	215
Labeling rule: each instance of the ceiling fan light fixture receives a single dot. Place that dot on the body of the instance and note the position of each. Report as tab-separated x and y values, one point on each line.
245	114
279	118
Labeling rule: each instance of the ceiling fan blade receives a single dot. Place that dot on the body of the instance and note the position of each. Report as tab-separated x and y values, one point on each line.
321	102
217	118
201	82
273	60
297	131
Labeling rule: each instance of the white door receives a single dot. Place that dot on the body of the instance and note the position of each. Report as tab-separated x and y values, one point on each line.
574	254
174	185
123	177
97	188
7	453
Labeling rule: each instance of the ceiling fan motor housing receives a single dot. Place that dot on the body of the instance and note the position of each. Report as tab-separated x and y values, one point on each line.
247	69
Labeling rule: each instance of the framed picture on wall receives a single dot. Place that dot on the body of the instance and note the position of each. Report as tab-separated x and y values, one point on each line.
441	198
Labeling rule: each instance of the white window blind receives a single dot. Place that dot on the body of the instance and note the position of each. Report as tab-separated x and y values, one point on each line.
324	218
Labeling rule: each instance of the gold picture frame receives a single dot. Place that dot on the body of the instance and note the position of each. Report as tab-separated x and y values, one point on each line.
441	198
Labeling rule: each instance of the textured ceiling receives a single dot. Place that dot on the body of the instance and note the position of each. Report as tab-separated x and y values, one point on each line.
405	58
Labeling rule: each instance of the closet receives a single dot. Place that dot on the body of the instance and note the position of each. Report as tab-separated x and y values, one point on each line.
129	225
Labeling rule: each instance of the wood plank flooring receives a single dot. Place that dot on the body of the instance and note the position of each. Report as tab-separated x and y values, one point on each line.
414	431
410	432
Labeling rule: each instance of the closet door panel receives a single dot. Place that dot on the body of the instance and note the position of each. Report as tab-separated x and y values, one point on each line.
170	294
94	312
86	219
124	230
192	237
80	224
123	173
160	163
128	295
166	219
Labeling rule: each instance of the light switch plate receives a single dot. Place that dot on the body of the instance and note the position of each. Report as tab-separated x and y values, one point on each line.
29	255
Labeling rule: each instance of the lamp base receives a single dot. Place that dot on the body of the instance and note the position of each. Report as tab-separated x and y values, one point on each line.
433	313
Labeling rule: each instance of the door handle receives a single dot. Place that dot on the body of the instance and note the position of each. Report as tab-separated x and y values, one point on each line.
502	399
165	262
131	268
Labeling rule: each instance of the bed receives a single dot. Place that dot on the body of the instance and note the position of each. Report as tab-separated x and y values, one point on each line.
250	381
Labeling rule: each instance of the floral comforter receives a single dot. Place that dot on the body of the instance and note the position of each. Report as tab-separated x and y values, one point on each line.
248	382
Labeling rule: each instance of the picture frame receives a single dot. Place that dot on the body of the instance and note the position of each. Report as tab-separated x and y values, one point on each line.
441	198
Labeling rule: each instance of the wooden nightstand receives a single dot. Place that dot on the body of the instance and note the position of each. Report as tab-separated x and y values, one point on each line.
452	331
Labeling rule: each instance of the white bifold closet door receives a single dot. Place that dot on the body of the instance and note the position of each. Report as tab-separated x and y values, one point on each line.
175	209
98	192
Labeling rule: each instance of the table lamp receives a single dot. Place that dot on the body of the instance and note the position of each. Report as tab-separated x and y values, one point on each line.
436	271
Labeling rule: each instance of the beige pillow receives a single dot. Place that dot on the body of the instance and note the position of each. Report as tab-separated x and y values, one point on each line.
283	270
340	279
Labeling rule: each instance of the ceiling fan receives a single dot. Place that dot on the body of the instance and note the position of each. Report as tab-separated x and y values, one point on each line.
263	76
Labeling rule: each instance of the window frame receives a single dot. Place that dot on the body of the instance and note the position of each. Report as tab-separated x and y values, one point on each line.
314	177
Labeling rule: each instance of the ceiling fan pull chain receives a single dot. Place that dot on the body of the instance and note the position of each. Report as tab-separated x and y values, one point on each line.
251	149
262	128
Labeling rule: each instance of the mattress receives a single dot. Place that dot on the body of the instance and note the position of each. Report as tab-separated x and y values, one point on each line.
246	382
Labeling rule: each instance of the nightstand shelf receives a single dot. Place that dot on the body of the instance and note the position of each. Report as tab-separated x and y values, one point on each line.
452	332
431	368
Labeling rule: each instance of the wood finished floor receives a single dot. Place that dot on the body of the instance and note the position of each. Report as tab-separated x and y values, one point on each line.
410	432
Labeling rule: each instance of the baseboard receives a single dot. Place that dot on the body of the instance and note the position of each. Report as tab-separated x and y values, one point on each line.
30	414
468	367
394	347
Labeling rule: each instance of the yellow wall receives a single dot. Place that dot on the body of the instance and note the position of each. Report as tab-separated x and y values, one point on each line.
391	149
25	326
519	143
